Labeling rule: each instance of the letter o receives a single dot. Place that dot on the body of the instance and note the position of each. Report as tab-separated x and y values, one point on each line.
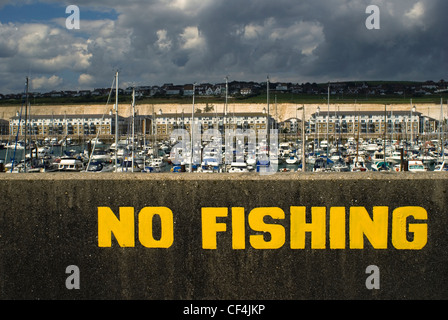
145	222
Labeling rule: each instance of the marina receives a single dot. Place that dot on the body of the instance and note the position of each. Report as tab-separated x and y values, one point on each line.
163	156
396	141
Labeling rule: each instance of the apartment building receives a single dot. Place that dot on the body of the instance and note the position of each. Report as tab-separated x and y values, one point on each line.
165	123
65	125
371	123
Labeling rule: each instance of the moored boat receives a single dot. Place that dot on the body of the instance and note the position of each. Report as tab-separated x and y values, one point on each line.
70	164
416	166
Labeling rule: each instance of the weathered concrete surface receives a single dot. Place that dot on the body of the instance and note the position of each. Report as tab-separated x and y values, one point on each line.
50	221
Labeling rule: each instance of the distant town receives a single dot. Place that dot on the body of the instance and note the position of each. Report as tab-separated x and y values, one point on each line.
248	89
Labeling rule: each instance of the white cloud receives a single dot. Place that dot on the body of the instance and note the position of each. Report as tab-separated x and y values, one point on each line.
252	31
86	79
163	43
45	82
192	39
417	11
303	36
415	16
42	48
190	7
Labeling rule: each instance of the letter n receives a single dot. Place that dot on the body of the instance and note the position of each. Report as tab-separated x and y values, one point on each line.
374	229
122	228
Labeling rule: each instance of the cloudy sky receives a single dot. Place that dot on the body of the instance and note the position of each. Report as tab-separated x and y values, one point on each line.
152	42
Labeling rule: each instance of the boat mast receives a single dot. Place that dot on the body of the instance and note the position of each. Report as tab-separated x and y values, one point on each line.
328	121
226	106
303	136
443	136
192	129
133	126
116	121
26	117
385	132
225	116
267	118
412	127
355	163
276	114
441	129
392	126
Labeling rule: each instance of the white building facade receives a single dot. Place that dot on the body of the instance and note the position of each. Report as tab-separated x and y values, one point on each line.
371	123
166	123
64	125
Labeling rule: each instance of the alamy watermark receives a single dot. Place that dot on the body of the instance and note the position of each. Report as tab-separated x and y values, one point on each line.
238	144
73	20
73	280
373	280
373	20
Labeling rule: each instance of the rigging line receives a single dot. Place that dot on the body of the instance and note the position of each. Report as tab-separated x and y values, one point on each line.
17	136
101	123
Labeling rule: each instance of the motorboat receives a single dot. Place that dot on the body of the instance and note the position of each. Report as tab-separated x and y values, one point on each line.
101	155
128	165
416	166
45	164
371	147
443	166
43	151
340	166
237	167
157	162
99	166
208	168
149	169
427	159
358	165
381	166
292	159
320	165
323	144
20	145
395	157
335	156
377	157
70	164
209	165
251	160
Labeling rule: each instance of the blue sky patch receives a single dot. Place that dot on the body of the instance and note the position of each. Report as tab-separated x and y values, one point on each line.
41	12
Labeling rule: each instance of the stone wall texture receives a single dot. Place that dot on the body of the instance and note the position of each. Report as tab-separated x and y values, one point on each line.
51	221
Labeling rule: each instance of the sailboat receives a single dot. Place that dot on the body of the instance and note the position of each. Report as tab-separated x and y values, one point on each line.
100	159
21	167
292	159
441	166
359	164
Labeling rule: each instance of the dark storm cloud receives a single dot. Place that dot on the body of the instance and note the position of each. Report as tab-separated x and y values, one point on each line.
298	40
181	41
408	46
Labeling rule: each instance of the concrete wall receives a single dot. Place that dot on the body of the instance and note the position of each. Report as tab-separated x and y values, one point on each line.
51	221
